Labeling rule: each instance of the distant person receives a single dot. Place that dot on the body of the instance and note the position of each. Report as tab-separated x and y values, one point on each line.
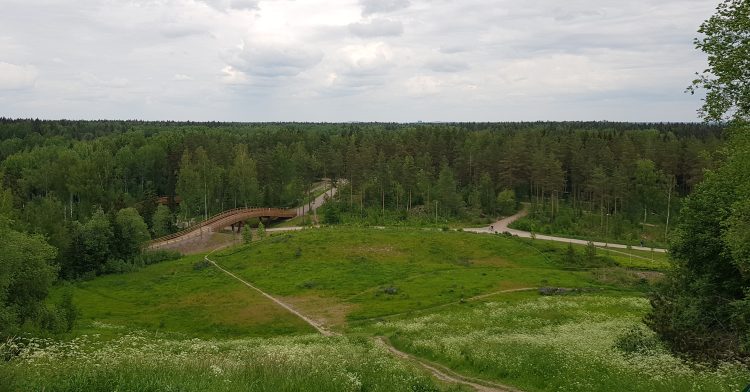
492	228
641	243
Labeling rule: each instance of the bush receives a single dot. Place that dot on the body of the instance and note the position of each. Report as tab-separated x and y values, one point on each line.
571	257
157	256
247	234
548	291
51	319
67	308
590	253
638	340
390	290
309	284
331	215
201	265
118	266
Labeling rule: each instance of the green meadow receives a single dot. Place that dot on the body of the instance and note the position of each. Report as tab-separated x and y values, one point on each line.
182	296
578	342
466	301
370	273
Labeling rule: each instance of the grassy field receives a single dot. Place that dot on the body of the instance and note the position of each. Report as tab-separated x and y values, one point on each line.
630	258
440	295
556	343
356	274
175	297
589	227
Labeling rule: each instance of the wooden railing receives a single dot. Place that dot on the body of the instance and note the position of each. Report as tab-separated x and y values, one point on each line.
219	219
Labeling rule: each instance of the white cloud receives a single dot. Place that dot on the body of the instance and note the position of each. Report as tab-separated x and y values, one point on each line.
424	85
233	76
377	28
367	59
16	77
93	80
181	77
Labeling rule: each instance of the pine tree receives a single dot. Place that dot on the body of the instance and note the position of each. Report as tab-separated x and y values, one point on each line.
261	231
247	234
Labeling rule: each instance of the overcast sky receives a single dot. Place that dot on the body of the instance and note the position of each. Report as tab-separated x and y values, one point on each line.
350	60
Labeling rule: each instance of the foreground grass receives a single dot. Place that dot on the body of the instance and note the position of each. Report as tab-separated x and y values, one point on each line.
137	362
175	297
557	343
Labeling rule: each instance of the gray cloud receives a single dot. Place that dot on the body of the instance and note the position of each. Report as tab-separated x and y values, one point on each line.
274	60
370	7
447	66
389	60
377	28
224	5
174	30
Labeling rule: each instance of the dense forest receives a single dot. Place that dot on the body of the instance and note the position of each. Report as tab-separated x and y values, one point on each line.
95	191
702	309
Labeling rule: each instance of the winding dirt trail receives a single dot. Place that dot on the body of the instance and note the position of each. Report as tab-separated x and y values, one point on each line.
320	328
444	374
440	372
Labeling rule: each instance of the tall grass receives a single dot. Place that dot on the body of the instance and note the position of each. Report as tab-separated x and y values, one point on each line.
137	362
570	343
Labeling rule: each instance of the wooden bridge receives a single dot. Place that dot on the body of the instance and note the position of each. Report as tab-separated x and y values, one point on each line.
217	222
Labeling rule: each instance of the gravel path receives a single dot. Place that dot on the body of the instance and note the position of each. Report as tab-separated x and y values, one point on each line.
501	226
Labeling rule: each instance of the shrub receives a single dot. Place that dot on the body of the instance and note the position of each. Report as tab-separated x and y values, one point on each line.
590	253
157	256
390	290
247	235
571	256
547	291
201	265
118	266
309	284
638	340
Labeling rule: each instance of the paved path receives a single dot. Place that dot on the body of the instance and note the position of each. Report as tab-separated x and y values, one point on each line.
501	226
312	207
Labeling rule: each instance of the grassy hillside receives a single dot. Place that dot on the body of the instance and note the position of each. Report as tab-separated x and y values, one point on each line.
441	295
180	297
582	342
354	274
